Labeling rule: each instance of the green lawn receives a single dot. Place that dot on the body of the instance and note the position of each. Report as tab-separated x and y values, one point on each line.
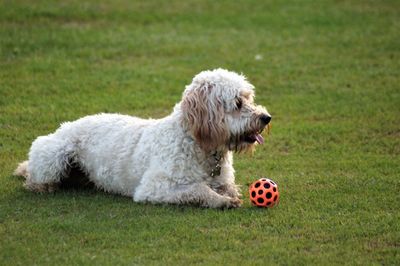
329	75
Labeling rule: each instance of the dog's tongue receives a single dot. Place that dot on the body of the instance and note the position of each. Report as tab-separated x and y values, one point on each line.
259	139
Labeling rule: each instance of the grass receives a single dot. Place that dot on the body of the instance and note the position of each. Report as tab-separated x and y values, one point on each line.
329	75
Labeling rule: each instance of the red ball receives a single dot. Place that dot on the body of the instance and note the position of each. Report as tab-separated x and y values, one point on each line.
264	193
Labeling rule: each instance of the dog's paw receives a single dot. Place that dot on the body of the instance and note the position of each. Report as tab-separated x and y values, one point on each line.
236	203
225	202
232	191
233	203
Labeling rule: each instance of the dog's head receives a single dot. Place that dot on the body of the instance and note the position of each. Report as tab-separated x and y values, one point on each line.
218	108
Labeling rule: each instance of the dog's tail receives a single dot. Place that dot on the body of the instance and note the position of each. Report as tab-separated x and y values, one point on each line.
22	169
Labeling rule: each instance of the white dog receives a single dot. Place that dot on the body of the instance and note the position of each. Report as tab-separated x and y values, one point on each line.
184	158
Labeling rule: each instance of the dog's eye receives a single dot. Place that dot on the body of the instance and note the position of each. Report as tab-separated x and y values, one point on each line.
239	103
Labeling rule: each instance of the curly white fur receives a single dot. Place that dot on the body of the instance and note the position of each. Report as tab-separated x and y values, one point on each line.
184	158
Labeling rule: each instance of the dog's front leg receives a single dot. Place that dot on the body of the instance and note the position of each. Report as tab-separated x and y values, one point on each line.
199	194
224	184
203	195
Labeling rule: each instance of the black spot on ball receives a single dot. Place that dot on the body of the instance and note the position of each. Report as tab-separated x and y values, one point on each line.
263	179
272	182
260	192
253	194
267	185
268	203
260	200
276	197
257	184
274	189
254	202
269	195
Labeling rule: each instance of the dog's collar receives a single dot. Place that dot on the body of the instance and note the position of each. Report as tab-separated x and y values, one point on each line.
216	170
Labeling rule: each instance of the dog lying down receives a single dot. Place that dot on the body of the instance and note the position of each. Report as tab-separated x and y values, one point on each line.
184	158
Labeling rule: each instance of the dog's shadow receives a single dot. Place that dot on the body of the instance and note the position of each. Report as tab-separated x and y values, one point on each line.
76	179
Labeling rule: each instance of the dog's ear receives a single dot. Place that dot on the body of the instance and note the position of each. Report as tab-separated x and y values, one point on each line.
203	112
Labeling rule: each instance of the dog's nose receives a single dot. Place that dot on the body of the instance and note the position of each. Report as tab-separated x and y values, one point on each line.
265	119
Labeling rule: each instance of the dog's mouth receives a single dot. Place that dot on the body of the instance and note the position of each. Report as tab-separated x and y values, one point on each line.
247	140
252	137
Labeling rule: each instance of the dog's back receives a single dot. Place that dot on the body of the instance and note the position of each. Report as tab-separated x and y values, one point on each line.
98	145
